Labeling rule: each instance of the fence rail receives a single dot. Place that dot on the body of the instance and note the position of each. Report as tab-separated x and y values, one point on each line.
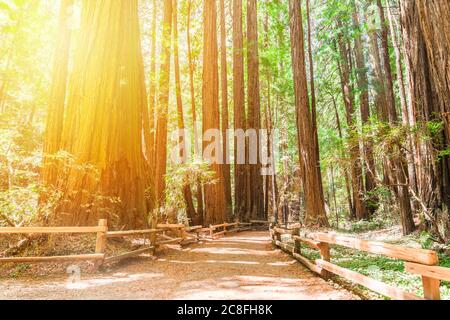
224	228
417	261
103	234
164	234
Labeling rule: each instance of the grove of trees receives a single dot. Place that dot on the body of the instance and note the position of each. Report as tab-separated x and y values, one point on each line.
349	98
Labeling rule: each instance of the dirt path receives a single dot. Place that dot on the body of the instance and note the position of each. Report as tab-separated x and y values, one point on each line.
244	266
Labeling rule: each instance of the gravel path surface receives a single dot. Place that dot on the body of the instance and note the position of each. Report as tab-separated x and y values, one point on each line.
243	266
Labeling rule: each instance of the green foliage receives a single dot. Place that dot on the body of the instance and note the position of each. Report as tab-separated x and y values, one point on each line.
365	225
193	174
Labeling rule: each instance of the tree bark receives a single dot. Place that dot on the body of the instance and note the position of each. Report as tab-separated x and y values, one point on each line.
150	150
225	123
398	162
359	205
163	106
254	109
363	86
313	94
239	109
56	106
403	101
107	178
199	192
314	200
425	29
187	192
215	202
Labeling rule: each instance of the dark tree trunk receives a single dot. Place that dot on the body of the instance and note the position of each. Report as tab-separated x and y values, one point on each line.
254	108
314	200
239	108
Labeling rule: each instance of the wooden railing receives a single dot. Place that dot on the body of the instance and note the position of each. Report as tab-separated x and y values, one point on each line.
99	255
226	228
417	261
167	233
182	233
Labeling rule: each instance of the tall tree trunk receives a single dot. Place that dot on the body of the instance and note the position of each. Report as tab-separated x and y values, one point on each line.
400	173
313	94
215	202
378	78
314	200
346	176
225	123
199	193
55	114
187	192
359	205
254	108
425	30
403	100
389	89
150	150
363	84
110	163
163	106
239	109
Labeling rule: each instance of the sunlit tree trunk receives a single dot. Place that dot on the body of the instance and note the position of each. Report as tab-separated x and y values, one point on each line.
359	206
239	107
398	162
108	176
313	91
389	86
254	108
187	192
215	203
55	114
199	193
314	200
346	175
150	144
425	30
403	100
225	123
163	106
363	83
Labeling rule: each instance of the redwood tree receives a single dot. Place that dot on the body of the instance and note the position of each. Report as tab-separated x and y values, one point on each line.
55	114
314	202
425	29
163	106
239	108
105	142
187	191
225	123
215	202
254	109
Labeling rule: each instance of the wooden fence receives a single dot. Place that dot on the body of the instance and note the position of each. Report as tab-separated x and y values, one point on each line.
164	234
226	228
99	255
417	261
182	235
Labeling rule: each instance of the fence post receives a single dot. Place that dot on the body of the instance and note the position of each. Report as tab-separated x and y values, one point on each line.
211	231
431	288
153	236
325	255
225	228
297	246
182	234
277	236
100	245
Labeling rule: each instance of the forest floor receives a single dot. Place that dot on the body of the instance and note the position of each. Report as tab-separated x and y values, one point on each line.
243	266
